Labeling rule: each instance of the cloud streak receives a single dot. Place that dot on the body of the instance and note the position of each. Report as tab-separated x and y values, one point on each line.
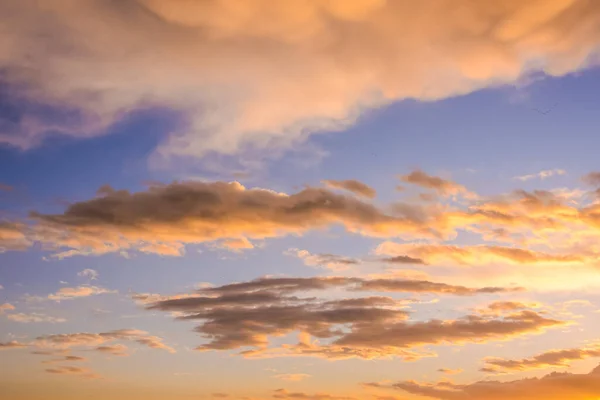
353	186
547	173
70	293
555	386
552	358
248	314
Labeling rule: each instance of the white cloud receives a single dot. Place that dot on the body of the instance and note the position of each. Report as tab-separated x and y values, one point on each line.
547	173
88	273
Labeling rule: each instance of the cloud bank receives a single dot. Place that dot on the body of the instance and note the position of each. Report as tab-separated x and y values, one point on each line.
260	75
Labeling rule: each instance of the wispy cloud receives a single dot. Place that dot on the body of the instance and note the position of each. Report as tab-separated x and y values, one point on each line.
70	293
547	173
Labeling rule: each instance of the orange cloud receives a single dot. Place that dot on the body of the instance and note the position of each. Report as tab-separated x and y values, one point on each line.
13	237
291	377
551	358
12	345
34	317
77	371
167	216
448	371
71	340
478	255
323	260
6	307
68	293
327	59
353	186
114	350
442	186
285	394
555	386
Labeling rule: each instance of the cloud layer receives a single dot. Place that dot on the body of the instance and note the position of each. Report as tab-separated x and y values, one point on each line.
248	314
256	75
555	386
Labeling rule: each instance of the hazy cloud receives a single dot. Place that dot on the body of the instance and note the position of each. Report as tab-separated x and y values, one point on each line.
69	370
12	345
93	340
593	178
476	255
114	350
6	307
291	377
13	236
68	293
34	317
88	273
323	260
442	186
353	186
555	386
547	173
551	358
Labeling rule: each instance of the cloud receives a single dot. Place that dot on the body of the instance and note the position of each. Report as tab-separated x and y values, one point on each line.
291	377
249	79
88	273
592	179
34	317
555	386
324	260
114	350
68	293
195	212
352	186
13	237
69	370
551	229
552	358
291	285
547	173
6	307
248	314
448	371
285	394
93	340
417	286
477	255
441	186
503	307
402	260
236	244
64	359
12	345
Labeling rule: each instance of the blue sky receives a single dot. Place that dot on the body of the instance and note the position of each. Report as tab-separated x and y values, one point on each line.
421	177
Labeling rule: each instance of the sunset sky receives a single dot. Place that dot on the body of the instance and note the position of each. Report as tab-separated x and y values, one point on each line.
299	199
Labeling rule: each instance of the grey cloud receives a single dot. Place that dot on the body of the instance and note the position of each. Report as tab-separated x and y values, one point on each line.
198	212
247	314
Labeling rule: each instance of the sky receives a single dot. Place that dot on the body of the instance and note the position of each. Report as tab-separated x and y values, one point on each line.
300	199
